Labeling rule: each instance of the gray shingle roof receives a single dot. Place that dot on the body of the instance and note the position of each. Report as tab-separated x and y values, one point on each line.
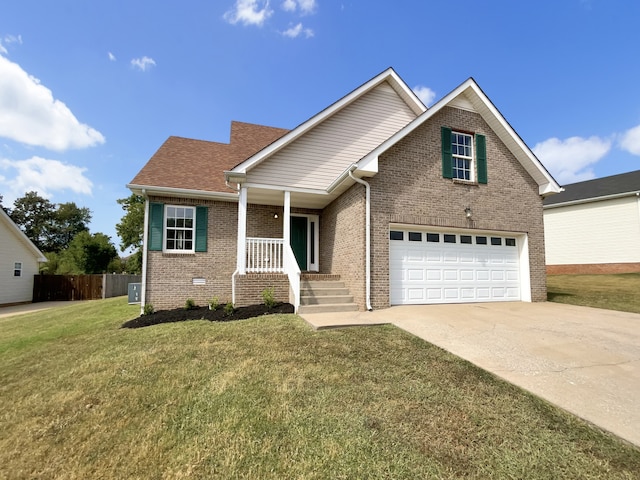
599	187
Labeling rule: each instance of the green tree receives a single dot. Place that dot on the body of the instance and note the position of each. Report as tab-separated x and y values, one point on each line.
34	215
130	229
68	221
51	228
88	254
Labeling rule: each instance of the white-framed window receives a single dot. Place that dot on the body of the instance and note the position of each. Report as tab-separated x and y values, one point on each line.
462	156
179	228
17	269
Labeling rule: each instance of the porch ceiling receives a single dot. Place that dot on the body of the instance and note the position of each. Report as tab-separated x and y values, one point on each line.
319	200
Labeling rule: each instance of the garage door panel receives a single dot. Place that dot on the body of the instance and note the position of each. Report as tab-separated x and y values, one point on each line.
467	275
415	274
439	272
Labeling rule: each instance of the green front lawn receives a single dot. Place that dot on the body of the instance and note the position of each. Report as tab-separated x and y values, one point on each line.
614	292
269	398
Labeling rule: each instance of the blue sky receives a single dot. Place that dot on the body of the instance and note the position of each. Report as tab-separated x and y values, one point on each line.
90	90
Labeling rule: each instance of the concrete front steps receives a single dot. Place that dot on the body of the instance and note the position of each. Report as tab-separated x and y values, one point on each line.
324	293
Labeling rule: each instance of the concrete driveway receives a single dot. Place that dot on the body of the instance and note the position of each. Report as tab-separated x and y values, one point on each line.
584	360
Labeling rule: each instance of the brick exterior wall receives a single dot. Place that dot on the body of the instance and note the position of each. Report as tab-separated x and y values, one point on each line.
410	189
593	268
342	241
170	276
249	288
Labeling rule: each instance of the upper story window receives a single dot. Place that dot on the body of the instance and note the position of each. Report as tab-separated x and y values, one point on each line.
462	152
17	269
464	156
179	229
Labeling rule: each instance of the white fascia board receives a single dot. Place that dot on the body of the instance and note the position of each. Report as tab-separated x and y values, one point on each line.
548	184
146	190
369	163
283	188
592	200
39	256
388	75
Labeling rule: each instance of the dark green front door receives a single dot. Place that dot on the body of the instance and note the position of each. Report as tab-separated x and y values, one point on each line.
299	240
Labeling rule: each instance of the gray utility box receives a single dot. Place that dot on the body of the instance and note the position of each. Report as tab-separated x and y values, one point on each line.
134	292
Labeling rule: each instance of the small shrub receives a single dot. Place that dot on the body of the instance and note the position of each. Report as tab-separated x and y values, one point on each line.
190	304
214	304
269	297
148	309
229	309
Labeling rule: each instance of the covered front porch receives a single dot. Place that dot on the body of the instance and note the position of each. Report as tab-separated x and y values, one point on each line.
292	235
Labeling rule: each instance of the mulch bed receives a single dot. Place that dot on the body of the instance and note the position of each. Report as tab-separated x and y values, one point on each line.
203	313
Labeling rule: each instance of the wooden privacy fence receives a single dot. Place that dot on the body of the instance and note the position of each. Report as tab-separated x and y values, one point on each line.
80	287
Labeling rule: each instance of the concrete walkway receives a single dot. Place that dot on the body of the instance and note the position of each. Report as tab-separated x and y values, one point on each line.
585	360
33	307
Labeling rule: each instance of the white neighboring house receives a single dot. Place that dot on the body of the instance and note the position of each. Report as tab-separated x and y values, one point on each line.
594	226
19	259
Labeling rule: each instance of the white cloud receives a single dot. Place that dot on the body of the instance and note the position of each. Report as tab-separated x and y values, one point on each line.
112	57
29	114
569	160
143	63
249	12
289	5
297	30
425	94
43	176
630	140
306	7
8	40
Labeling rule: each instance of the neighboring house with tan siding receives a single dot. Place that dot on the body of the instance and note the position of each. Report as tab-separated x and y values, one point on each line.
374	201
19	262
594	226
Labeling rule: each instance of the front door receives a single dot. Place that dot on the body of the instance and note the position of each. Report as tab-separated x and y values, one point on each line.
299	240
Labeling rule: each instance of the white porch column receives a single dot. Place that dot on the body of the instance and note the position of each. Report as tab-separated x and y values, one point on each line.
241	255
286	219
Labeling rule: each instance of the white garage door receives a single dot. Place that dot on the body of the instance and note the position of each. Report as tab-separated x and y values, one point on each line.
441	267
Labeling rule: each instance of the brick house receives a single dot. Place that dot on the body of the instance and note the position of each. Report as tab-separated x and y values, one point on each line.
374	201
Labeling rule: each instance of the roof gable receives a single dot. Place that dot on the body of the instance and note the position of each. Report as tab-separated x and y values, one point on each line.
469	96
622	184
389	76
21	237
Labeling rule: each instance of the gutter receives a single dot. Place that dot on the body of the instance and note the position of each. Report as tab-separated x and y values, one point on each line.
182	192
367	235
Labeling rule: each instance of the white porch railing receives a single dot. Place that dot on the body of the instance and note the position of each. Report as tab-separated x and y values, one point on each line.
292	270
264	255
271	255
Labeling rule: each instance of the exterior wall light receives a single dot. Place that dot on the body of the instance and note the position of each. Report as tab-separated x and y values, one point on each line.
467	212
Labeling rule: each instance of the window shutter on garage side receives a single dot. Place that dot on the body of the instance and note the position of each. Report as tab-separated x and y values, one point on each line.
202	214
447	167
156	214
481	156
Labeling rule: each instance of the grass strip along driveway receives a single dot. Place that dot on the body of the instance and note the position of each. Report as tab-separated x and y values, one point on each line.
269	398
614	292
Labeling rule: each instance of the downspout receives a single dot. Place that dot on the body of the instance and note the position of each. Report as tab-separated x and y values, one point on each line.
235	272
143	294
367	237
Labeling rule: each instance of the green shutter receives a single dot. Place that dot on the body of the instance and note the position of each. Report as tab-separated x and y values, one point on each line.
156	226
201	228
481	158
447	166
